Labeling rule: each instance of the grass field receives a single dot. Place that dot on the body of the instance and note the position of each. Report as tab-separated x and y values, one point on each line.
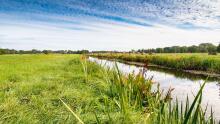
31	85
68	89
184	61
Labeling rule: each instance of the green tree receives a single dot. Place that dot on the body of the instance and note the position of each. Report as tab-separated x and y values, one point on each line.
175	49
2	51
167	50
159	50
183	49
207	47
34	51
218	48
193	49
46	51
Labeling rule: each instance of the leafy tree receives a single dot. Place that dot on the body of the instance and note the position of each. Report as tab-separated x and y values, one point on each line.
193	49
159	50
46	51
207	47
167	50
175	49
218	48
34	51
183	49
201	48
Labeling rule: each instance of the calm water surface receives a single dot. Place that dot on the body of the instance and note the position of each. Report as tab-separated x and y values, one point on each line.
183	83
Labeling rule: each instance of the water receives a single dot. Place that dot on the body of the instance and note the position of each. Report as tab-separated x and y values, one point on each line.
183	83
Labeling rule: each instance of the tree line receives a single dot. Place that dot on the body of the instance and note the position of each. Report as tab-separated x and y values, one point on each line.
34	51
201	48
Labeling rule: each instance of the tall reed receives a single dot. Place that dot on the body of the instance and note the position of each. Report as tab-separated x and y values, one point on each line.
176	61
133	99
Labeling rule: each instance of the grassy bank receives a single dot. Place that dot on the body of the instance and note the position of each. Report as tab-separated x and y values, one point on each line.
68	89
199	62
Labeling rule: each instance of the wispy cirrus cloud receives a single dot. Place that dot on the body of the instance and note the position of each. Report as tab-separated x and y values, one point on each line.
140	12
114	23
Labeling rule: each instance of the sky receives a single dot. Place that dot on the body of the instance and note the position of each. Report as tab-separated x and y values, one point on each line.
107	24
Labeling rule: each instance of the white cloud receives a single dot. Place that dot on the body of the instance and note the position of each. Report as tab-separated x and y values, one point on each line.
101	36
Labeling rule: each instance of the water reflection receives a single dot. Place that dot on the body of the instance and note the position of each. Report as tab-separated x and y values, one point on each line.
183	83
185	75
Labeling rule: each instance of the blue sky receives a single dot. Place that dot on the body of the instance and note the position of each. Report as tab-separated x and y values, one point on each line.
107	24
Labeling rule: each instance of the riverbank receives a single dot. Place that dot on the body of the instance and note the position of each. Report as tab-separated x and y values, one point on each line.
199	64
194	72
57	88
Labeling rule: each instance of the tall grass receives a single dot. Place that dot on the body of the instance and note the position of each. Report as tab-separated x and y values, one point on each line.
131	96
200	62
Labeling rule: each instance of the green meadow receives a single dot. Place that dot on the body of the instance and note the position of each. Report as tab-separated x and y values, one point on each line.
58	88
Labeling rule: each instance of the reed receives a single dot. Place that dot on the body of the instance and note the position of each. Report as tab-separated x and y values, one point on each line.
198	62
132	97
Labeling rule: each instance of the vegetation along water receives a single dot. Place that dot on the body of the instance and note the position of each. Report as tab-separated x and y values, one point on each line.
206	64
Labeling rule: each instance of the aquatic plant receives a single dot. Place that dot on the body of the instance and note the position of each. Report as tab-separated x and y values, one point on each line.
199	62
132	97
